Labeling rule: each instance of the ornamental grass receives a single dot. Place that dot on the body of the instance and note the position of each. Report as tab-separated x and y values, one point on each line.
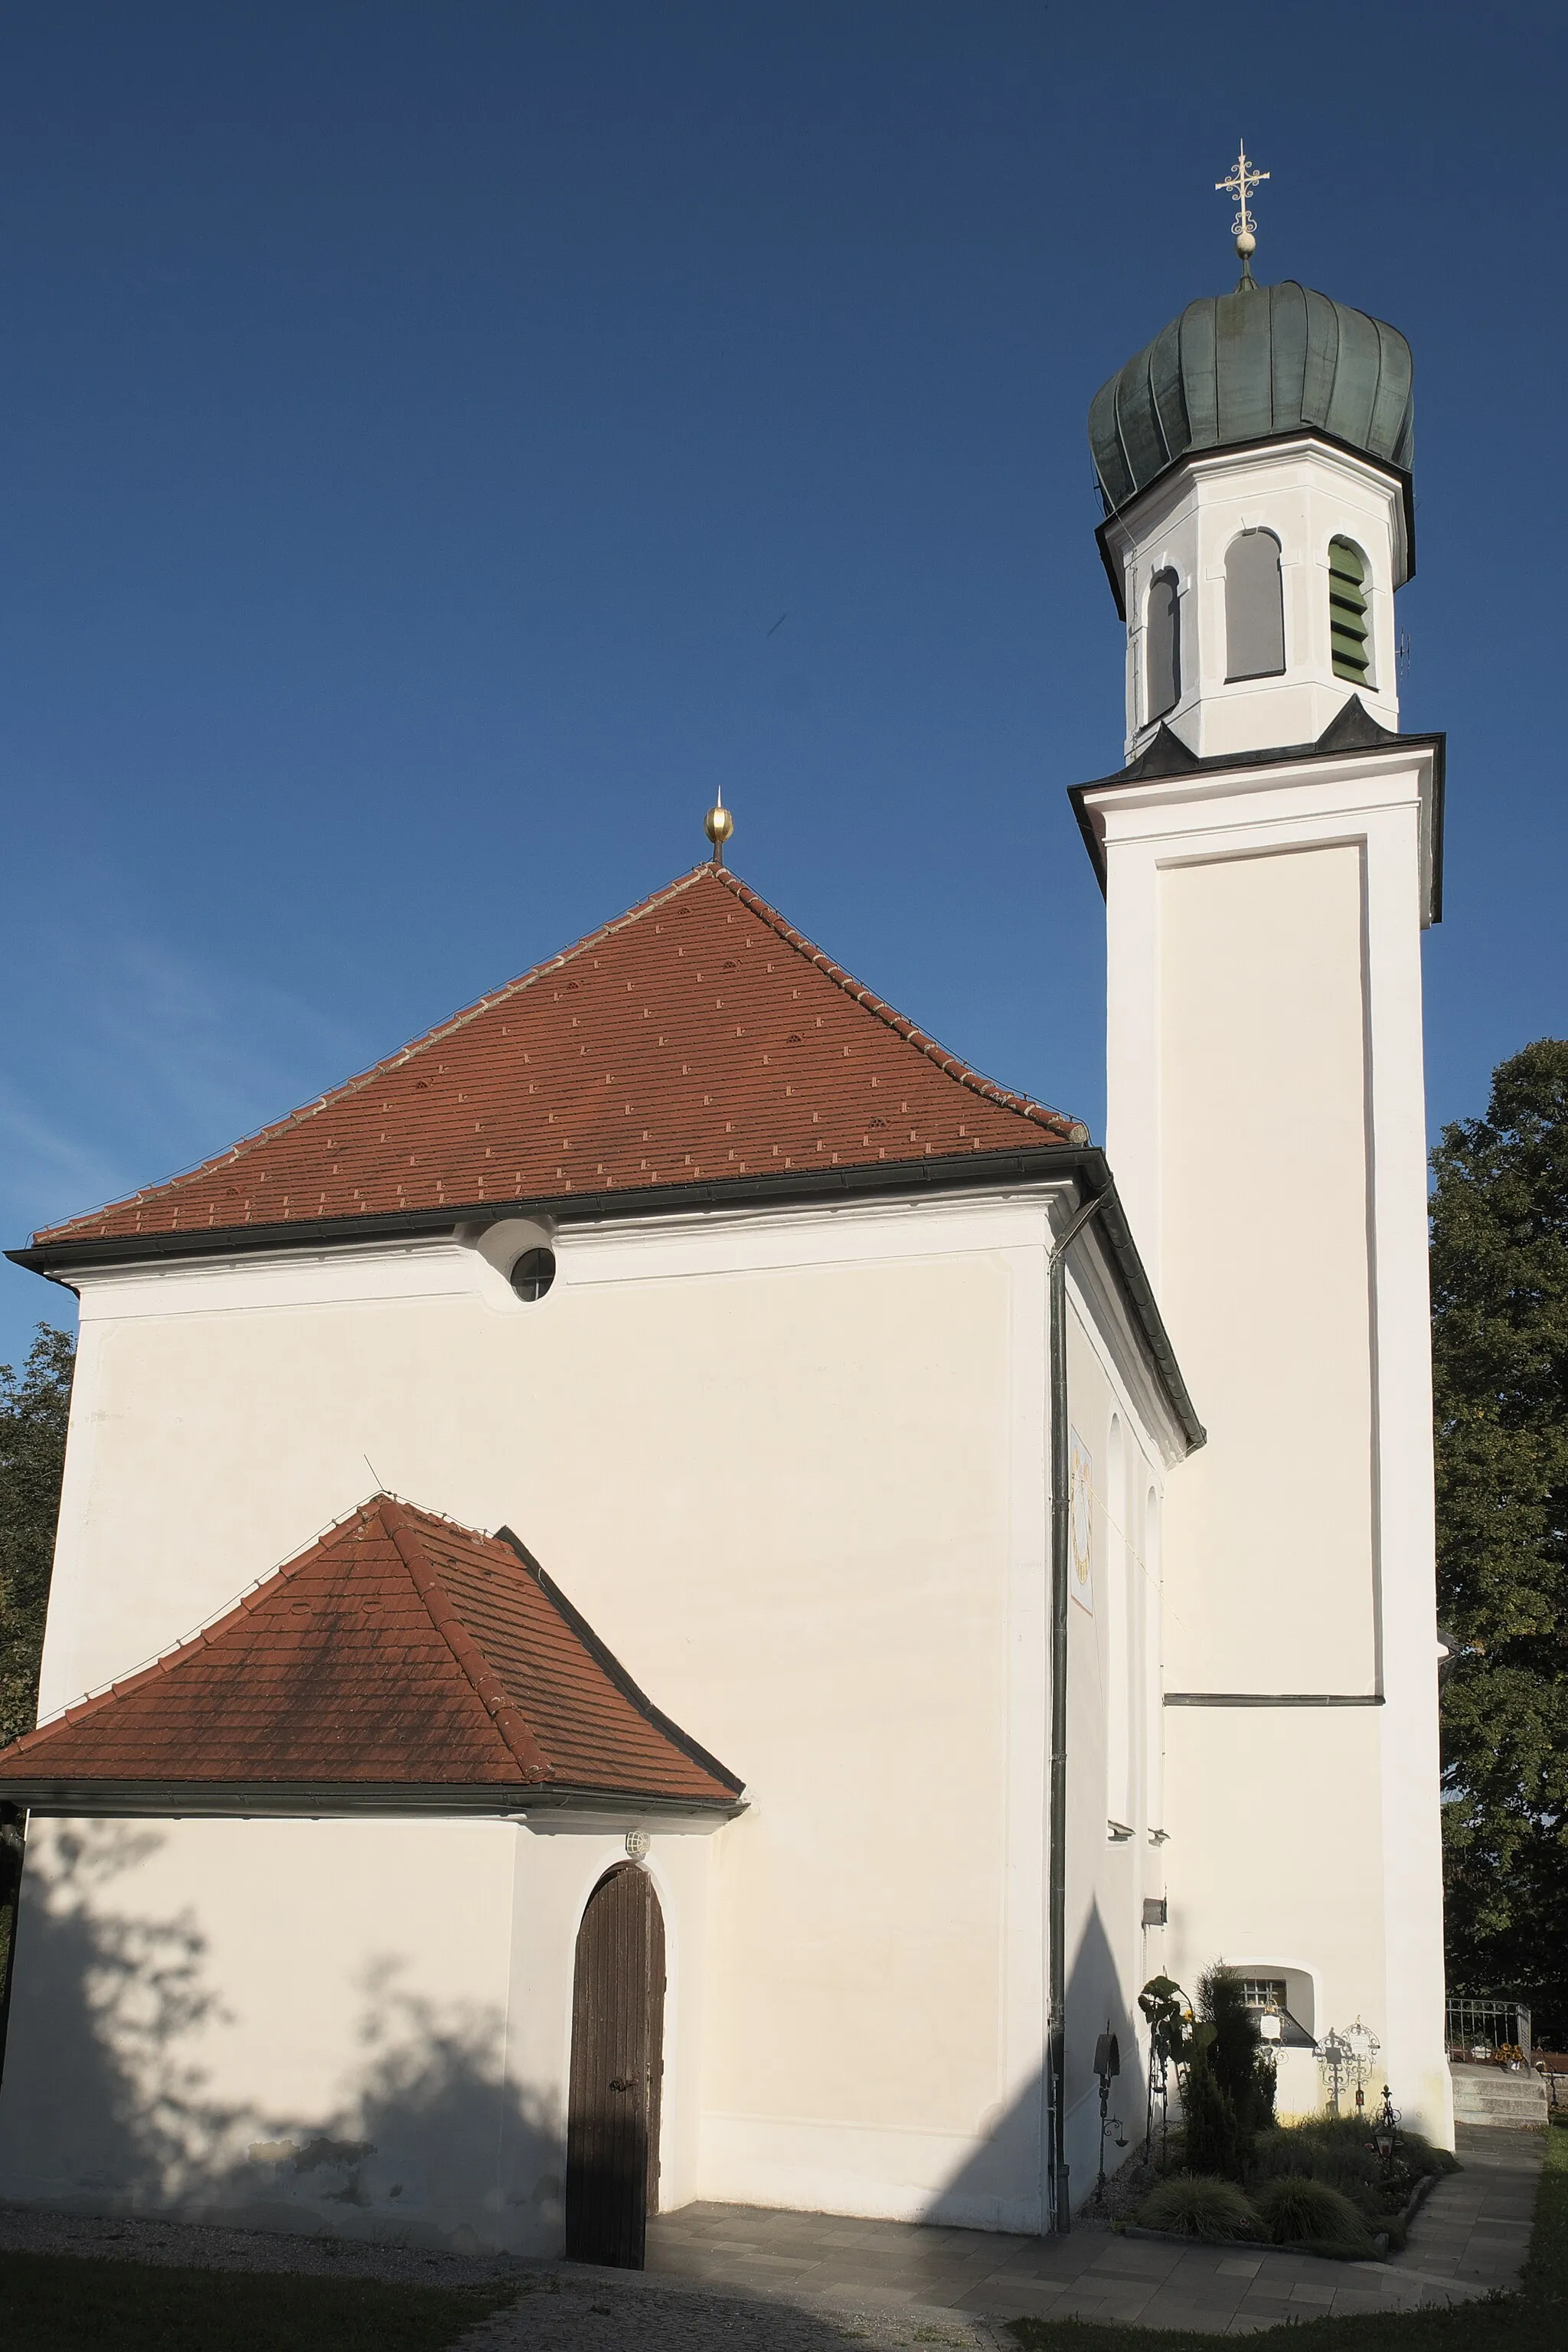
1197	2205
1296	2211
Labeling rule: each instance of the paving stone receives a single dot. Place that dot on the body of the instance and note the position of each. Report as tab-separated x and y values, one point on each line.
1132	2260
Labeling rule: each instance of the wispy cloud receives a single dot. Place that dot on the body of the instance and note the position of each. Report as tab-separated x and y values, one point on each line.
140	1059
36	1150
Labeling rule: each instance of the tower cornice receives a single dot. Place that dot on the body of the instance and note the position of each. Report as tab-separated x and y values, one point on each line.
1354	747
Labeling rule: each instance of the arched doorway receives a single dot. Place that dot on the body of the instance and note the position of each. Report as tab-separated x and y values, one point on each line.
618	2072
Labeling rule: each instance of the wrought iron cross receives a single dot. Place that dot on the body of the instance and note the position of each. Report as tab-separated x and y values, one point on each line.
1240	184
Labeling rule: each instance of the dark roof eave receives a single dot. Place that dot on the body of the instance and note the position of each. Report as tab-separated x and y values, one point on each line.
58	1259
1396	474
75	1797
1084	1164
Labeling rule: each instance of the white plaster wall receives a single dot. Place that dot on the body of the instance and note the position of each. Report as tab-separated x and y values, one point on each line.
793	1467
358	2028
1307	494
299	2023
1277	1860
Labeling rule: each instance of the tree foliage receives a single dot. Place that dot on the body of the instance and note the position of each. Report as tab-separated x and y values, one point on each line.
1500	1305
1227	2092
34	1406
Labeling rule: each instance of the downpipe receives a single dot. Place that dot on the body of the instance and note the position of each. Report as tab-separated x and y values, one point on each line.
1061	1471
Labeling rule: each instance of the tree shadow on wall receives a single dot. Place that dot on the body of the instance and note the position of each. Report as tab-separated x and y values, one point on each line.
109	2105
100	2093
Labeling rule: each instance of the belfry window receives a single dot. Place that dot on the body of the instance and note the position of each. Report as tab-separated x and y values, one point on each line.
1348	621
1254	607
1161	649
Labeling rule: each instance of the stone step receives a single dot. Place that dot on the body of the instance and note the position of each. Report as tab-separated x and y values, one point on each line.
1485	2095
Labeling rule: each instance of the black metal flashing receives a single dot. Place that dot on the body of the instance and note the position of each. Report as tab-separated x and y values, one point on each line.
1404	482
90	1799
58	1259
1353	728
1048	1162
611	1668
1273	1698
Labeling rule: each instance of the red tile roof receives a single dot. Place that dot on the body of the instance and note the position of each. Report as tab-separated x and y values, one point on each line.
399	1648
699	1036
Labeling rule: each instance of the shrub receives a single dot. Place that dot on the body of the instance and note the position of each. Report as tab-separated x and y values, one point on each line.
1227	2083
1198	2207
1212	2144
1244	2074
1297	2211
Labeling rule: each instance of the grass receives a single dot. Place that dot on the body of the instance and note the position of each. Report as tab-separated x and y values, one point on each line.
1533	2320
67	2303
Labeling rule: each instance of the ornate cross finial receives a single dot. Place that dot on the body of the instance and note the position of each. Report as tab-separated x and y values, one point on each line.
1240	184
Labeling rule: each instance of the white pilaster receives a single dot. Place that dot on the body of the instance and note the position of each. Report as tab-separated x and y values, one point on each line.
1265	1123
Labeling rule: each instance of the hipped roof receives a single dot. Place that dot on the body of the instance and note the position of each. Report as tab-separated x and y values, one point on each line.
699	1037
398	1653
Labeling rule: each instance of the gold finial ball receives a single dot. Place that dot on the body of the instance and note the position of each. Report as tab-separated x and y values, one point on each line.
1246	244
718	824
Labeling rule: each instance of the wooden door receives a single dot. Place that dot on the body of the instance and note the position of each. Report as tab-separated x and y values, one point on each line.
618	2072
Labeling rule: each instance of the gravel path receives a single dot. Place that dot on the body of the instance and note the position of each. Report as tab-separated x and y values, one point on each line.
188	2245
566	2311
560	2307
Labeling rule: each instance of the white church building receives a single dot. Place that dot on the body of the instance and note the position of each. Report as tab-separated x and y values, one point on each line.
672	1594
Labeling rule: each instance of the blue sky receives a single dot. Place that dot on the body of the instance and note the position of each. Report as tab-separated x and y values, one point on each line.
445	442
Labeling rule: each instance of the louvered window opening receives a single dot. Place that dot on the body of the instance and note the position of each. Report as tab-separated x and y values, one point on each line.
1348	621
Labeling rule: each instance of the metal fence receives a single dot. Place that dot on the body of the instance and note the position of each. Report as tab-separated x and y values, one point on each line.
1480	2029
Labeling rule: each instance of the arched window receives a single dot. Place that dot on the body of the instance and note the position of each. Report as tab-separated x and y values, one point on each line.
1161	649
1351	629
1254	607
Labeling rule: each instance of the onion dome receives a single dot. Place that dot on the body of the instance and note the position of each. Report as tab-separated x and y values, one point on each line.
1248	366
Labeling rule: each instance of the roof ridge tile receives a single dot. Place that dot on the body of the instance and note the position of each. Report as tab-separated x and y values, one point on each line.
1071	1131
491	1694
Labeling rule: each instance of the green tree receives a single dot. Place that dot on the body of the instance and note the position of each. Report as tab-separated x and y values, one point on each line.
34	1407
1499	1308
32	1414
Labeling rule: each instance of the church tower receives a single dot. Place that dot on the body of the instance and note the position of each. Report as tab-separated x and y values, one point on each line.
1270	854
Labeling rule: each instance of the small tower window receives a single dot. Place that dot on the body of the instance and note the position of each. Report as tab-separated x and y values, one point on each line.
1162	648
1348	622
1254	607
